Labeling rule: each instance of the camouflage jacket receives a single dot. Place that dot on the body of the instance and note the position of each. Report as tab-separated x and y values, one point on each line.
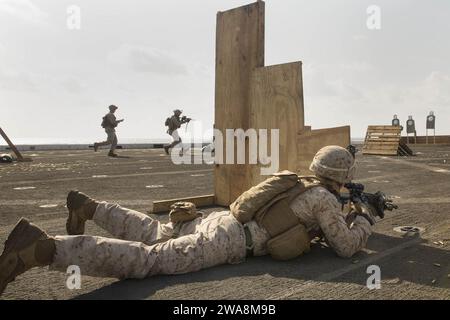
318	209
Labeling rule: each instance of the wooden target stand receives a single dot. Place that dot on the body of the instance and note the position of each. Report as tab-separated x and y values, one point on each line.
249	94
434	135
13	148
431	125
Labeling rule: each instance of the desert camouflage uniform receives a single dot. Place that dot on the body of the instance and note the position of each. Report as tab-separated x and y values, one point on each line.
147	248
201	243
111	133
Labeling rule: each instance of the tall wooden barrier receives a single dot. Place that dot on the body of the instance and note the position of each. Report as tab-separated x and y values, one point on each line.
239	51
251	95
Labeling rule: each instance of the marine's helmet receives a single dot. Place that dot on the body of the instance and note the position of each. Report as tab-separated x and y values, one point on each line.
334	163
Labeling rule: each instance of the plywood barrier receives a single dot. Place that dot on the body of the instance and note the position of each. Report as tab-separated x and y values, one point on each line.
276	102
239	50
311	141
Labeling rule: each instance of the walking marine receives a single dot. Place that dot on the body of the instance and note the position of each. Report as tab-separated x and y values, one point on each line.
279	217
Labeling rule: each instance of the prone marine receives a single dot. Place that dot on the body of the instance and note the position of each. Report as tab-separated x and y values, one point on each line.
280	217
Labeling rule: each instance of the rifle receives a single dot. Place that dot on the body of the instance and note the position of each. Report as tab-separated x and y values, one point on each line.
378	201
185	119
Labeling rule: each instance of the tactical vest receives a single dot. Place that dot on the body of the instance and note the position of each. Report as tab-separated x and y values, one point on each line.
288	236
106	122
173	124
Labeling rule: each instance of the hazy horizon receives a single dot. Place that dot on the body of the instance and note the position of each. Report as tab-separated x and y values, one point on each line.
152	57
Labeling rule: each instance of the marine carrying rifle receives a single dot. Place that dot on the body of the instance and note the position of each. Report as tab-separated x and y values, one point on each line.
378	201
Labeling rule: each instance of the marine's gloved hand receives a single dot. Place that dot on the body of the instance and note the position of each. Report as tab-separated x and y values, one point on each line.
183	212
362	210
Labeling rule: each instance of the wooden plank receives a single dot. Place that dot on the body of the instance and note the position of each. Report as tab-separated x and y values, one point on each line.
383	141
389	130
19	156
383	133
276	102
386	144
392	149
380	152
380	136
239	50
387	138
374	147
384	128
164	206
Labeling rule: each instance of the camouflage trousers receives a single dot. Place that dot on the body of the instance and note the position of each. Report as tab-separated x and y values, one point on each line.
110	140
144	247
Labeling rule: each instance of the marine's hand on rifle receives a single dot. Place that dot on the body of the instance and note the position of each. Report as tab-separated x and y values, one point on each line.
363	210
389	205
367	205
380	202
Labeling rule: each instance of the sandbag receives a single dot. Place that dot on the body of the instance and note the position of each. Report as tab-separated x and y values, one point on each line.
183	212
245	207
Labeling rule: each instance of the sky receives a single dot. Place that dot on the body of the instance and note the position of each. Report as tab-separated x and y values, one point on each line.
150	57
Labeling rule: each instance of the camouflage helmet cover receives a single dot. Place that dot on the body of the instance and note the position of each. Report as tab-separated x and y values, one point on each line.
334	163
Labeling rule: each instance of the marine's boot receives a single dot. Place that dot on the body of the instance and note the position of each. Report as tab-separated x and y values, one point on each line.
112	154
166	149
95	147
81	208
26	247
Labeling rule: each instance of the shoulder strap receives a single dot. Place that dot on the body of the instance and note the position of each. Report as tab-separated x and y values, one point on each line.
305	183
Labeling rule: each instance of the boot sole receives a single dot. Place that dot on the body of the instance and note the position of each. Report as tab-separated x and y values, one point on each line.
22	236
73	223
